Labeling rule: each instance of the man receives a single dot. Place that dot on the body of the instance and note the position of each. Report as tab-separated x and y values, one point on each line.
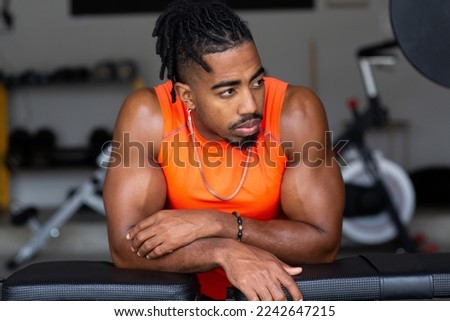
222	171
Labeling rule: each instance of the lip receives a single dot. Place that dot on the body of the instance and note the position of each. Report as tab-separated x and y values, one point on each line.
248	128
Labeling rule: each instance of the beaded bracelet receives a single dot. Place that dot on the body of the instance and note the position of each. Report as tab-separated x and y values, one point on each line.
240	226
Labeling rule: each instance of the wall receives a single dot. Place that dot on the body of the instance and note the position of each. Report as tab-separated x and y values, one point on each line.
46	36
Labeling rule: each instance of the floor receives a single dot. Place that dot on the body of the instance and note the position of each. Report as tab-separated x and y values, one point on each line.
84	237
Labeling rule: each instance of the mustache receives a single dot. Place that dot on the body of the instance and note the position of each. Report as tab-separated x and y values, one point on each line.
244	119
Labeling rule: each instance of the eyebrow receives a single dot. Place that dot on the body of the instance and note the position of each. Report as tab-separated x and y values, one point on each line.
230	83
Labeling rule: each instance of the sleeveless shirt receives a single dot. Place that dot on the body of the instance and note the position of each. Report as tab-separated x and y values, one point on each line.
223	166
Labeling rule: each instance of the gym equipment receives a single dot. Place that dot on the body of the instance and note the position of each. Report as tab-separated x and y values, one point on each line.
97	139
380	197
28	215
87	194
70	75
127	70
122	70
96	281
19	149
374	225
105	71
421	30
43	146
436	176
378	276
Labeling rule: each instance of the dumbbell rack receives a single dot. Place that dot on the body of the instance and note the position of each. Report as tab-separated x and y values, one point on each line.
107	74
88	193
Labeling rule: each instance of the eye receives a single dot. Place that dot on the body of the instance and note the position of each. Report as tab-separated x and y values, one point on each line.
227	93
258	83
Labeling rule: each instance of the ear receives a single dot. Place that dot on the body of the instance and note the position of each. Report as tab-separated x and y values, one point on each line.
184	92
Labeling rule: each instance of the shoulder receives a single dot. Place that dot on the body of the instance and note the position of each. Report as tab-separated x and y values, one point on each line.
143	100
140	117
303	117
297	101
302	103
302	107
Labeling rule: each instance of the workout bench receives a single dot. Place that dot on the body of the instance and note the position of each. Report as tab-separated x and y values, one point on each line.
366	277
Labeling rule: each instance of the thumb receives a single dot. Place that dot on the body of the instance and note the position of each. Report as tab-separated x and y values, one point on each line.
293	270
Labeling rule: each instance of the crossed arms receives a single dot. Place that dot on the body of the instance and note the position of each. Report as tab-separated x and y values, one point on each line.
143	234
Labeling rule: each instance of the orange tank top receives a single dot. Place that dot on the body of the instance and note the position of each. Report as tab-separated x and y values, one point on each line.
223	166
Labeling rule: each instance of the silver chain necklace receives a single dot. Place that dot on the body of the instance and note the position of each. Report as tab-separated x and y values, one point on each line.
199	163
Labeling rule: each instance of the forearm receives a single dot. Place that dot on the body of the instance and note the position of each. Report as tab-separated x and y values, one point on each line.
198	256
291	241
164	234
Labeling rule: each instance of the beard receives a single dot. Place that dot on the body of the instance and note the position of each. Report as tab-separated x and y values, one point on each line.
245	142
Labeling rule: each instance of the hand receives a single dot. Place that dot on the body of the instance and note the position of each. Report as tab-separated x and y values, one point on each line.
167	231
259	275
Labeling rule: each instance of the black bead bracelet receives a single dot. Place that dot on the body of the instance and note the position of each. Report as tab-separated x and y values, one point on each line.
240	226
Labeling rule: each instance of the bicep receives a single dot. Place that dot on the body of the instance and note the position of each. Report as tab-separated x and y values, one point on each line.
314	196
134	186
130	195
312	188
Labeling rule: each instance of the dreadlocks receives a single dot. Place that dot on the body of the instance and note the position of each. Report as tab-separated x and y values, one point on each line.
187	30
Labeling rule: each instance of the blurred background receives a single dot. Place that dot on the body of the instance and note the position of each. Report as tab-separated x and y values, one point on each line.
66	68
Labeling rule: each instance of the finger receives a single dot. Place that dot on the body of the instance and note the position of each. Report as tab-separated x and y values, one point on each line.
250	295
158	251
269	287
150	245
140	239
248	287
277	293
292	288
134	231
264	294
142	225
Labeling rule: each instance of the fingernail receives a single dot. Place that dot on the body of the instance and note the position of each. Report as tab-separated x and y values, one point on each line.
128	237
133	249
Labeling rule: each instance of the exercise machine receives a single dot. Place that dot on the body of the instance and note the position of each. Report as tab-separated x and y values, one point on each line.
376	276
421	30
380	197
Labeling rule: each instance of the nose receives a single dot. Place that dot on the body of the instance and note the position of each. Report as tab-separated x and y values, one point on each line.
249	103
